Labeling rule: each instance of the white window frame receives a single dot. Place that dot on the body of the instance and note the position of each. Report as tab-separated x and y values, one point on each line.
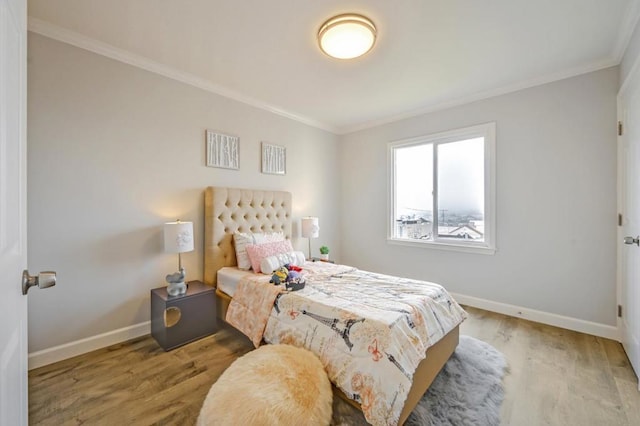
488	132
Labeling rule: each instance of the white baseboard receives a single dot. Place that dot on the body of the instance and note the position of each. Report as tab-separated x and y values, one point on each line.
575	324
79	347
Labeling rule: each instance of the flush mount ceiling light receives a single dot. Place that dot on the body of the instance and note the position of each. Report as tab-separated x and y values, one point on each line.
347	36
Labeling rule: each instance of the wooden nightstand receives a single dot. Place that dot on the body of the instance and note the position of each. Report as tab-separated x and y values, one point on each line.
317	259
178	320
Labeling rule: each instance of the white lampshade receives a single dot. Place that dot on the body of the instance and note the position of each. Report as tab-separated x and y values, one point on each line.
310	227
347	36
178	237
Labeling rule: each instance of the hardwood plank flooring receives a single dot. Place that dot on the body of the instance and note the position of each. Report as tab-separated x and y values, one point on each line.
557	377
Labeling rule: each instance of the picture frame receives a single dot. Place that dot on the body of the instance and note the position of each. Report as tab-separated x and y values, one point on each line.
274	159
222	150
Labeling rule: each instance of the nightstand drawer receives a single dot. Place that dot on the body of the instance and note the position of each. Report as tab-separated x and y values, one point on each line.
178	320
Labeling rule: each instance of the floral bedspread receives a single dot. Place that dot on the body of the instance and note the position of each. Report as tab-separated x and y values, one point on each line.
369	330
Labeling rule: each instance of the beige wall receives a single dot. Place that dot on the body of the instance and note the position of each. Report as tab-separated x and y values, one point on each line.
556	200
113	153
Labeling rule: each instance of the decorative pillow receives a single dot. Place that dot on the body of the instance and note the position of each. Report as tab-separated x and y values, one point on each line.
271	263
241	239
257	252
269	237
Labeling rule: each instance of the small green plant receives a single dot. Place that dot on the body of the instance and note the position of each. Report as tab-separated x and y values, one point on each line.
324	250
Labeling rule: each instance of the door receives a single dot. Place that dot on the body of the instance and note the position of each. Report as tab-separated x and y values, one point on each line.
629	206
13	213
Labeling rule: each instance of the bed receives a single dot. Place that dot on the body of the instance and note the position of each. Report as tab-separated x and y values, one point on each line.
230	210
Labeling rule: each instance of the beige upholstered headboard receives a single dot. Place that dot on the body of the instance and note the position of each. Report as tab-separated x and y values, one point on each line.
227	210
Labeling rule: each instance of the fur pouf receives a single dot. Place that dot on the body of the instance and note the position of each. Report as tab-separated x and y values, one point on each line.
272	385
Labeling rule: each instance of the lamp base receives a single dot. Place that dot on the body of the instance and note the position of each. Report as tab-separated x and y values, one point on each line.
176	283
176	289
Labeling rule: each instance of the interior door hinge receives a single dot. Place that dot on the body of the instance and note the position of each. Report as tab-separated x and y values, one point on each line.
619	311
620	128
619	219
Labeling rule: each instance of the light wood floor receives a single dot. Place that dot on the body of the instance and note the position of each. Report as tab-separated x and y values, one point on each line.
557	377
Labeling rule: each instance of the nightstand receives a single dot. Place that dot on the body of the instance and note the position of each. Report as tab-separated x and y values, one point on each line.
317	259
178	320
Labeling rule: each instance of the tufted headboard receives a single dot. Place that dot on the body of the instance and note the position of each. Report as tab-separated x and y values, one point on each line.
227	210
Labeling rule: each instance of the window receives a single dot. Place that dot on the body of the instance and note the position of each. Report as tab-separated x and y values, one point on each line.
443	190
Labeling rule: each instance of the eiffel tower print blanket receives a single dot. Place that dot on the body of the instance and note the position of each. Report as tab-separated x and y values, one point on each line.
369	330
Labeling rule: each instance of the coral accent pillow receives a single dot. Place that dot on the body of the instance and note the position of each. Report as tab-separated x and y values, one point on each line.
257	252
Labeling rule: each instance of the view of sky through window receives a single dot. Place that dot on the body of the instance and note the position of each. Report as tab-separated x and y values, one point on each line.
414	180
460	192
461	176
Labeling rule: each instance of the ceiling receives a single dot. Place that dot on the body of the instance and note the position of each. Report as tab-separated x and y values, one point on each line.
429	54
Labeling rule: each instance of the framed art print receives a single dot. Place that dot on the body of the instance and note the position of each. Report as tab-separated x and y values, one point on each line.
222	150
274	159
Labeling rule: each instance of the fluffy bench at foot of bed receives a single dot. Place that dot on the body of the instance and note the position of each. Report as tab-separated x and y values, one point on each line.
272	385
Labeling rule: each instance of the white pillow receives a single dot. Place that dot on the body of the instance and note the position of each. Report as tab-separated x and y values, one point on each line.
268	237
241	239
271	263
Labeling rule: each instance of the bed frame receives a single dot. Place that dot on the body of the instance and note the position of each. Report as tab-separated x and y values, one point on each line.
228	210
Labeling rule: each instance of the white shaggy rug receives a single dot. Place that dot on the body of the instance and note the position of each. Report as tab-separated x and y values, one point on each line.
468	391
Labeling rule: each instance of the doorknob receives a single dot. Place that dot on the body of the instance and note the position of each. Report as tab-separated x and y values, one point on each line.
44	279
631	240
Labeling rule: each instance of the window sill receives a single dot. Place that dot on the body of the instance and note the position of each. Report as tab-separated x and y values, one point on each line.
439	245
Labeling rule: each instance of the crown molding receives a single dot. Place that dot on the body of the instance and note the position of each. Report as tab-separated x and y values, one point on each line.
627	27
526	84
73	38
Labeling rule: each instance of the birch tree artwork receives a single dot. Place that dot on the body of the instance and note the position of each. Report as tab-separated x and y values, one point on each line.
274	159
222	150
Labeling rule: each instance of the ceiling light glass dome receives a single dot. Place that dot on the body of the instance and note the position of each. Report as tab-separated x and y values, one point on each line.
347	36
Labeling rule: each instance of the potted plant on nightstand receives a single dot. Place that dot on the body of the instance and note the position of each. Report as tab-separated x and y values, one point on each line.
324	253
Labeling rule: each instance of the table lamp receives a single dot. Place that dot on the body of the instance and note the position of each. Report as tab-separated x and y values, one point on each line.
310	229
178	238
